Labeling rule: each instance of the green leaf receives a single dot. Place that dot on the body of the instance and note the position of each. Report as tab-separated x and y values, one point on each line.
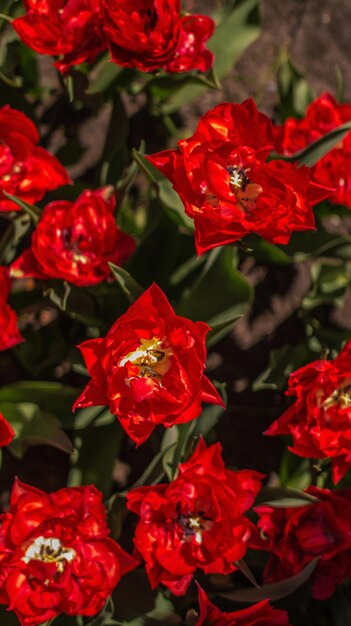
185	269
115	153
51	397
85	417
294	90
59	294
265	252
273	591
238	29
105	617
97	449
34	427
283	497
179	442
281	363
318	149
165	191
33	211
16	230
209	418
129	286
294	471
245	570
316	243
103	76
176	443
6	18
220	295
171	446
155	470
329	282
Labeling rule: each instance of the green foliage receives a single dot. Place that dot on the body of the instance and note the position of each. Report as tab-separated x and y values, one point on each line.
295	93
238	27
273	591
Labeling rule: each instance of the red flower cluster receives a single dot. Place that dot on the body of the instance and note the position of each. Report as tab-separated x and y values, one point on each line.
75	241
9	333
55	554
191	53
261	614
26	170
143	34
197	521
296	536
227	186
333	170
68	28
149	368
320	418
6	432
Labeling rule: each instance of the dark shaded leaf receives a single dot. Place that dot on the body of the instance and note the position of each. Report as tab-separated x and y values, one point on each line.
220	295
273	591
129	286
165	191
281	363
318	149
97	449
284	497
50	397
245	570
34	427
33	211
294	90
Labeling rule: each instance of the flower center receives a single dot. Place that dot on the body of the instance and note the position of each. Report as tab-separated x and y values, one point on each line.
246	191
49	550
340	397
150	360
71	244
193	524
238	177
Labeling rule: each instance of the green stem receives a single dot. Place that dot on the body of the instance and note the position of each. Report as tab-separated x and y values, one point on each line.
16	83
170	125
31	209
6	18
5	240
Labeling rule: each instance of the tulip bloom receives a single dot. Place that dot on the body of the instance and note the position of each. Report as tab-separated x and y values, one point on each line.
71	29
196	521
75	241
295	536
227	186
147	35
26	170
333	170
55	554
319	419
149	368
